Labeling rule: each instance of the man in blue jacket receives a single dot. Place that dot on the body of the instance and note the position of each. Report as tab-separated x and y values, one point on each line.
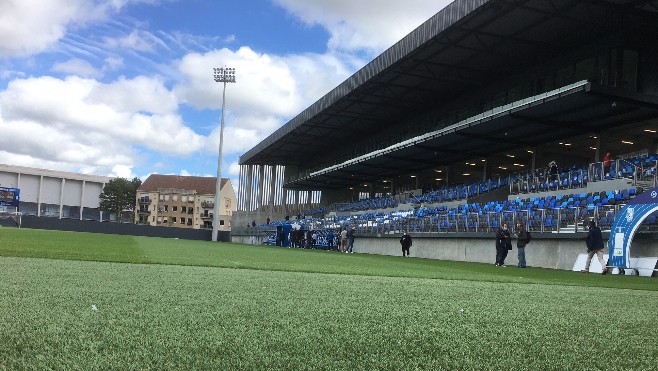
594	242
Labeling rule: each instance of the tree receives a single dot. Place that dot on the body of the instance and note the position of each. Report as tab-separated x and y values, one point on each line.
119	195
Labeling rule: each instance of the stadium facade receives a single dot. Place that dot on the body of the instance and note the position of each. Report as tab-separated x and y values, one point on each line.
58	194
485	89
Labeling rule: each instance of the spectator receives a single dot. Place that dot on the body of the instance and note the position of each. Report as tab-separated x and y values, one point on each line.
607	161
503	245
521	241
406	243
330	240
594	242
343	240
552	170
267	221
253	223
350	240
314	239
309	239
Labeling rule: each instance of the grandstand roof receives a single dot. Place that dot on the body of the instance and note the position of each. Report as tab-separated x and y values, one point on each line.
468	45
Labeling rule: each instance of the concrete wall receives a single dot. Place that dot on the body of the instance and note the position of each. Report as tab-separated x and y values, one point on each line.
547	250
559	252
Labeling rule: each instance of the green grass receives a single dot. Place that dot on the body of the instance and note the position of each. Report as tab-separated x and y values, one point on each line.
295	309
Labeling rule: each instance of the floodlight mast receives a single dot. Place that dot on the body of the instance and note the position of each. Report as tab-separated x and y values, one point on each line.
223	75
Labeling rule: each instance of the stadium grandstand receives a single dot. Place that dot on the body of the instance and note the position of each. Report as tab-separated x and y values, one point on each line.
492	111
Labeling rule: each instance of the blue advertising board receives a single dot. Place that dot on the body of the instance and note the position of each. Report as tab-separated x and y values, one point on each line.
9	196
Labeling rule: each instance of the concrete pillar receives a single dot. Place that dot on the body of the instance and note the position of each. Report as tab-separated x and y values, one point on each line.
39	198
272	190
61	198
261	186
249	184
82	199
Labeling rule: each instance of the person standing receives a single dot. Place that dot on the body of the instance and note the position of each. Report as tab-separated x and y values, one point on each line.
607	161
594	242
350	241
343	240
521	241
330	240
503	244
406	243
553	171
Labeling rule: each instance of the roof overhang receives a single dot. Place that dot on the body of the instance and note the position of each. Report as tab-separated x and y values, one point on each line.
574	110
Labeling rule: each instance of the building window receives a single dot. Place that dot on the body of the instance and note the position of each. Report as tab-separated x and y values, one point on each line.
166	208
174	208
161	198
166	198
183	209
183	199
173	220
182	220
174	197
221	222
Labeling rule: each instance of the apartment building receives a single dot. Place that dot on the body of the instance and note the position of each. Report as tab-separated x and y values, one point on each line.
184	202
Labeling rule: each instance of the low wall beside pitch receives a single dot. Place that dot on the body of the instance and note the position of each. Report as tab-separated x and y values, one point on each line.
547	250
75	225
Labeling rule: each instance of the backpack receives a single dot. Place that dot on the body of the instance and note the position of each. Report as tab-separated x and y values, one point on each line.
528	237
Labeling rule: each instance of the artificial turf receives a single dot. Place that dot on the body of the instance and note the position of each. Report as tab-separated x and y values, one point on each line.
181	305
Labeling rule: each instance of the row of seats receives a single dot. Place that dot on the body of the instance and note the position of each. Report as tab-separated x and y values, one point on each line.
539	213
569	177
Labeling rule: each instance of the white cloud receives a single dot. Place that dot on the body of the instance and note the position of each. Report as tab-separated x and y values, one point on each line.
28	26
81	121
31	26
269	90
364	25
122	171
77	67
138	40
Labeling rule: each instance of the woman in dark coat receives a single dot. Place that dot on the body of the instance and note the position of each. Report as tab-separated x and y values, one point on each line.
503	244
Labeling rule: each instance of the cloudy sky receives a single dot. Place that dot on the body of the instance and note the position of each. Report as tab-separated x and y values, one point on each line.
125	87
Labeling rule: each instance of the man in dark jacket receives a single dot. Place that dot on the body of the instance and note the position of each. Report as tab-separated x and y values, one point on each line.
521	241
594	242
406	243
503	244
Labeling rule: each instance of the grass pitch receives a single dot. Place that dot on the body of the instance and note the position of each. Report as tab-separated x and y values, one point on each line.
70	301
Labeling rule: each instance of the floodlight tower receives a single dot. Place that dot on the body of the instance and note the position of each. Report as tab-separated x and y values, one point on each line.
224	75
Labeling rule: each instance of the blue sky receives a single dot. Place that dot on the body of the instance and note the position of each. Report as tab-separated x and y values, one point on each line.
125	87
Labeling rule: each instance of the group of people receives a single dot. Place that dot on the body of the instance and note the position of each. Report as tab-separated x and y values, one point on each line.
345	241
303	239
504	243
593	241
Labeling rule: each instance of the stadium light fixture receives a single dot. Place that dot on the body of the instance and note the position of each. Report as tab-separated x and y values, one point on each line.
224	75
650	131
627	142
